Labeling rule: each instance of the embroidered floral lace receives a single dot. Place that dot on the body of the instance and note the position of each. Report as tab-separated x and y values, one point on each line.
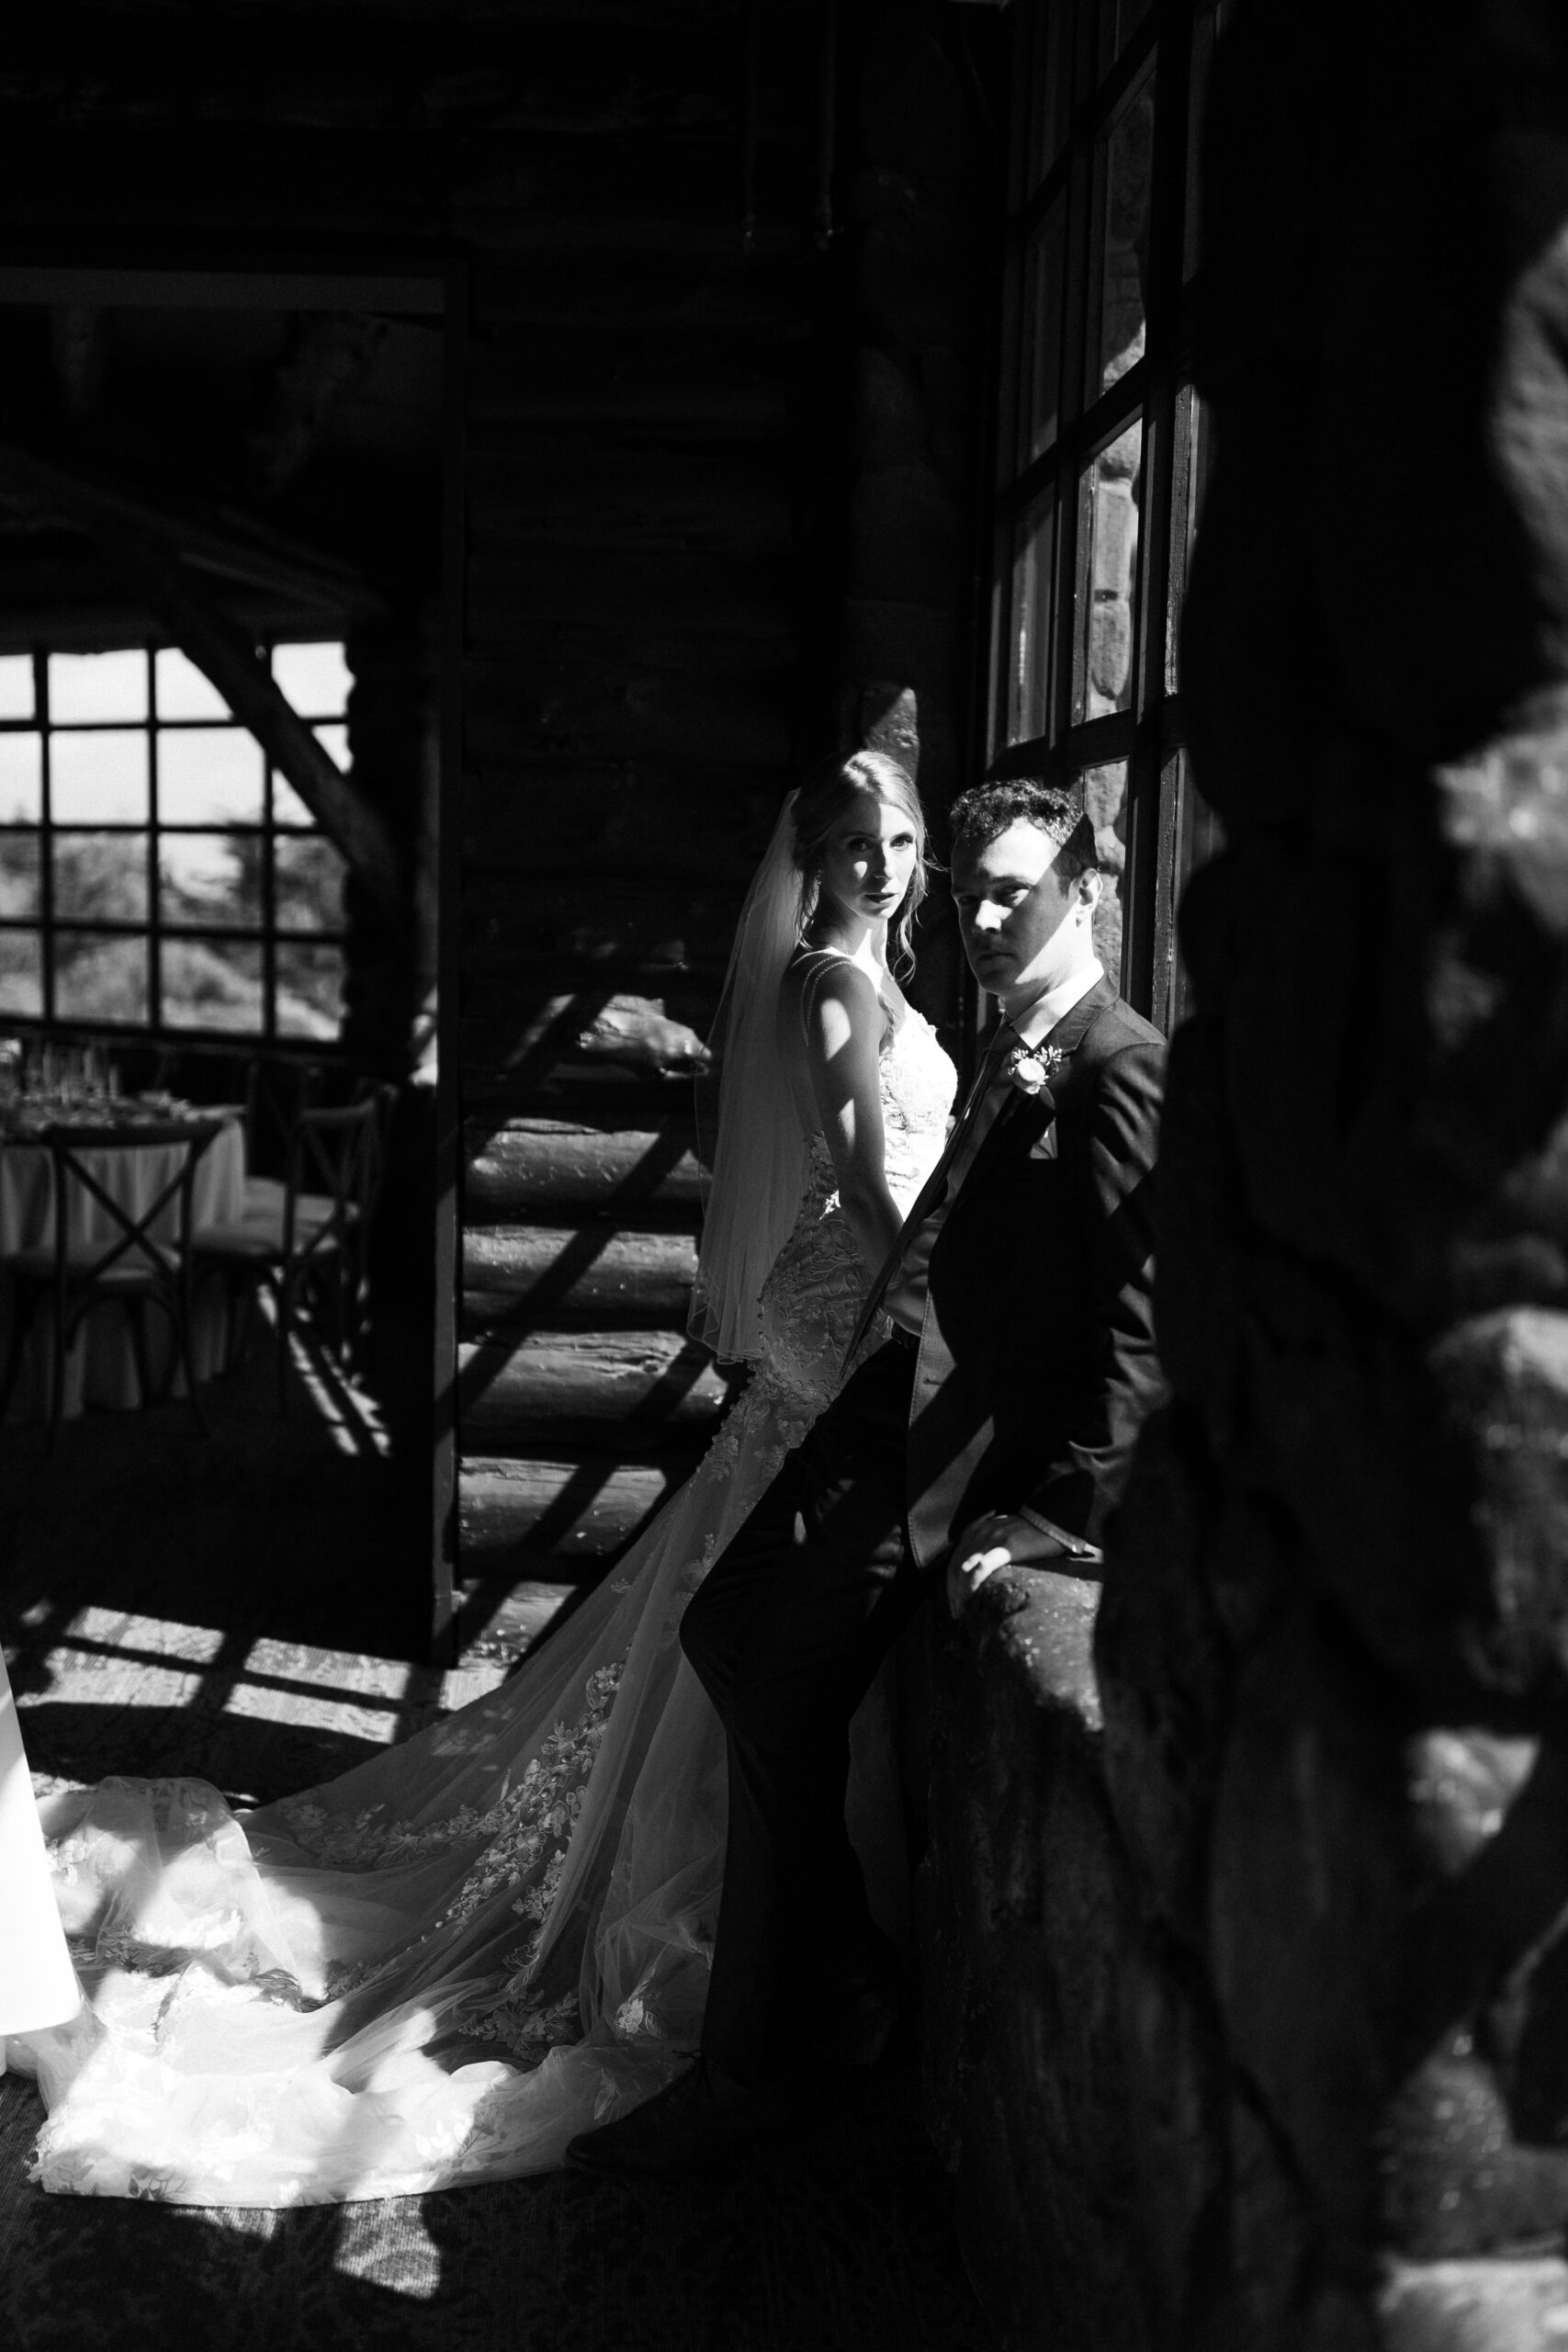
439	1967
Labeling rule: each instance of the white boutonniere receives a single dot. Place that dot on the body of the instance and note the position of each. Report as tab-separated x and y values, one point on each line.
1031	1068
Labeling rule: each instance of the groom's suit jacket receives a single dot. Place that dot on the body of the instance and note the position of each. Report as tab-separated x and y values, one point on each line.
1037	1353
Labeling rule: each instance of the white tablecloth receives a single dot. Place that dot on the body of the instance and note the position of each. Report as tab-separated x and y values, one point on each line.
101	1369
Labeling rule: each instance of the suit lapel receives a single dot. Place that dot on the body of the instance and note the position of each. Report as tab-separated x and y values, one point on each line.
1066	1037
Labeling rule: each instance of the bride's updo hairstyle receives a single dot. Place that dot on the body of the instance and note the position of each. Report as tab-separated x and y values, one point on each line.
825	793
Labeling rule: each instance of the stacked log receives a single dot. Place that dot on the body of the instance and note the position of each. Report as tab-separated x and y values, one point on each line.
581	1399
638	395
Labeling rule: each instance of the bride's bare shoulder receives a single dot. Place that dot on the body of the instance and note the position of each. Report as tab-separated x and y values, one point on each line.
820	983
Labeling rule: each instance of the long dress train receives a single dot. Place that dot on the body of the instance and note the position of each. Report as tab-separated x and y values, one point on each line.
440	1966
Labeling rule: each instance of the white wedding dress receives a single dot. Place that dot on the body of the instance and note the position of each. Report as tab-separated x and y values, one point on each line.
439	1967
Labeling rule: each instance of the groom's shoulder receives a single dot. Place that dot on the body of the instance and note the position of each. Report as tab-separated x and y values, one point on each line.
1115	1027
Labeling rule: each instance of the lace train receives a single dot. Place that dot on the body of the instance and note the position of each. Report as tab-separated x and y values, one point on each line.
439	1967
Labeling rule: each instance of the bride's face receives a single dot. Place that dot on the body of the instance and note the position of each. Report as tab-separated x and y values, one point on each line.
867	860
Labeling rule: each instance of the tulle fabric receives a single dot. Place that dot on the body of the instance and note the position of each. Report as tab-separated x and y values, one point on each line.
437	1968
749	1129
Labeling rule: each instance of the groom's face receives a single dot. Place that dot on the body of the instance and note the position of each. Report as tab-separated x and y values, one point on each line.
1023	930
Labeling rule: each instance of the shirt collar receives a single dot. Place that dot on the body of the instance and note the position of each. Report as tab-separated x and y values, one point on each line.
1036	1021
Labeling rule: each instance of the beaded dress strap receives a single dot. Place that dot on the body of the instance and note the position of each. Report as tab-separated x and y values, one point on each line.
820	959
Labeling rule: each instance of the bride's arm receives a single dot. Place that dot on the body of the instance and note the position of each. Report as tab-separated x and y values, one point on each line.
842	1022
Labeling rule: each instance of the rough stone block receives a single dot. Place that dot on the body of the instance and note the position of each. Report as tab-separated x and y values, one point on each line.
1109	653
1456	2179
1165	1670
1474	2306
1504	1378
1027	1929
1312	1872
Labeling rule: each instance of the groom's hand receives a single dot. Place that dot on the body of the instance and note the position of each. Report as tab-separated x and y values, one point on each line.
989	1543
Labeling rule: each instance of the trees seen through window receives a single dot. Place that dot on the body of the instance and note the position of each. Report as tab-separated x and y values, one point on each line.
154	872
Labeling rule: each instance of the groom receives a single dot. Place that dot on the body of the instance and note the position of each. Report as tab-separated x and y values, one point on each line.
997	1425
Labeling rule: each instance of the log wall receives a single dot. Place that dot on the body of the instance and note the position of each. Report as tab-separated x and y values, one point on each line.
640	402
645	644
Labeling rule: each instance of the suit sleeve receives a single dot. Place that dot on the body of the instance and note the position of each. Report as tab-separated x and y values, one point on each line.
1082	1481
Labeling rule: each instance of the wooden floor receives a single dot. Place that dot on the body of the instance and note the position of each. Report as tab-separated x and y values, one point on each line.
250	1606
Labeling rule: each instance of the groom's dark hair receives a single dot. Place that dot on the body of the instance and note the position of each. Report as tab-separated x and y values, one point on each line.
987	810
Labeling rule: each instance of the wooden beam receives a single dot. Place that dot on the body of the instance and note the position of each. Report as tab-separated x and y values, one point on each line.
207	636
234	546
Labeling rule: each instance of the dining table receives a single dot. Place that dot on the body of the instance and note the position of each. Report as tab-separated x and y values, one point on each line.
100	1367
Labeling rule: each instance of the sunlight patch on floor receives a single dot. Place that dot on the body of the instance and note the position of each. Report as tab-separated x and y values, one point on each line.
123	1630
121	1658
351	1420
388	2246
239	2221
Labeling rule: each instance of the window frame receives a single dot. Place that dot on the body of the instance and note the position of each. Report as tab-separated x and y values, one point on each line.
155	927
1166	829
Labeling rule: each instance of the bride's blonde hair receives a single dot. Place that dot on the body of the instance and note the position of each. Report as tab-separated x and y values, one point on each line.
824	795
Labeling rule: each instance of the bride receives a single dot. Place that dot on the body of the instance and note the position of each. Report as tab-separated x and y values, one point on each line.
441	1966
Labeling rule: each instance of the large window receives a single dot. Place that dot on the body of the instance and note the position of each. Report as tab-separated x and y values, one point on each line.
154	872
1101	446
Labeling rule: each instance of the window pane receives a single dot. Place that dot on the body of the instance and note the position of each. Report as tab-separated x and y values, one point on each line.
1121	166
1040	404
99	980
1200	836
16	686
333	740
100	877
21	863
182	690
209	775
309	990
212	881
1203	58
307	883
1029	705
98	686
1108	554
21	971
1119	20
1105	806
211	983
21	779
1053	91
314	678
1186	499
98	779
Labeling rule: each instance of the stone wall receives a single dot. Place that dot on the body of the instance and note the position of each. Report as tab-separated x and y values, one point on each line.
1277	1949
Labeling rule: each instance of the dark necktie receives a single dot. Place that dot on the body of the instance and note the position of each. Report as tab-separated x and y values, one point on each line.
976	1106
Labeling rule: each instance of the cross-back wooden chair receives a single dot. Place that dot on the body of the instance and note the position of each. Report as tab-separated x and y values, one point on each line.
129	1264
310	1245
